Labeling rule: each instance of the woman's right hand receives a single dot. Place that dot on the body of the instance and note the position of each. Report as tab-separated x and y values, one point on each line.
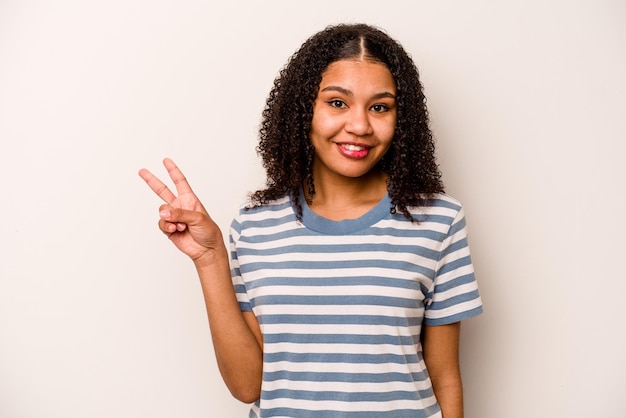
184	219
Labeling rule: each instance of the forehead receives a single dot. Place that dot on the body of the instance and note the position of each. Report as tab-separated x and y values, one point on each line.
358	72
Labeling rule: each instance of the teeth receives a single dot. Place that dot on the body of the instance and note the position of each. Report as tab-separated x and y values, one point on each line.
351	147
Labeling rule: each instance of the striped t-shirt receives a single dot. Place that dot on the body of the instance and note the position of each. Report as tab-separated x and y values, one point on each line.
341	304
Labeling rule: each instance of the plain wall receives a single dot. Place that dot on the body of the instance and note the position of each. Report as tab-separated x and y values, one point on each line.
100	316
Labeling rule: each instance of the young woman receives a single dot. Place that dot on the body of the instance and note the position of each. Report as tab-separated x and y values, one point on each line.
348	275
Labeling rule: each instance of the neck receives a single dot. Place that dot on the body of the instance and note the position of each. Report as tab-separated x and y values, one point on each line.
346	198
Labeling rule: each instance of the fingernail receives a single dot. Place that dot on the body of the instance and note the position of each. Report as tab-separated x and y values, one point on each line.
164	214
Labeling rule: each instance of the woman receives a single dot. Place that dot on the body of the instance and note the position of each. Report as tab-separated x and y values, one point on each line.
350	272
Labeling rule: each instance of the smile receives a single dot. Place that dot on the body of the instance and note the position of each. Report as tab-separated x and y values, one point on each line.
354	151
351	147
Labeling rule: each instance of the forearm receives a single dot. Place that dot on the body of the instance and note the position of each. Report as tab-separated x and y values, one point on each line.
237	349
449	395
441	355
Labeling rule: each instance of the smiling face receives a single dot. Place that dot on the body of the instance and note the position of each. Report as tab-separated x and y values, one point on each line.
354	118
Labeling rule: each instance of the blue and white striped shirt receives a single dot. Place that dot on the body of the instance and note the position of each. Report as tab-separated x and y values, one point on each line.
341	304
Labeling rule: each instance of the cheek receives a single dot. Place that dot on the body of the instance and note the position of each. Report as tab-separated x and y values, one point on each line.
386	149
324	126
386	130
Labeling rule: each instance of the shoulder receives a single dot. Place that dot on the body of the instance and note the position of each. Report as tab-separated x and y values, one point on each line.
250	209
259	215
439	206
442	201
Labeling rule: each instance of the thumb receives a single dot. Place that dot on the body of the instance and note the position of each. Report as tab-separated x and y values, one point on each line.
181	216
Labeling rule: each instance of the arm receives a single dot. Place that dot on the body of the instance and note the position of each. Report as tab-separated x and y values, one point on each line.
441	355
236	335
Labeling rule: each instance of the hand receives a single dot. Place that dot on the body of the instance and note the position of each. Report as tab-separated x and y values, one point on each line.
183	218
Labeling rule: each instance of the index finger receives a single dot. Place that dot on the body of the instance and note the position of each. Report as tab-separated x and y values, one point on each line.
177	177
157	186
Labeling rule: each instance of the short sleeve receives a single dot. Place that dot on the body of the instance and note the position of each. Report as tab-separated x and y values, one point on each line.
454	295
235	272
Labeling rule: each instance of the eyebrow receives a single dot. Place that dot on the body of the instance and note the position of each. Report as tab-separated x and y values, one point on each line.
347	92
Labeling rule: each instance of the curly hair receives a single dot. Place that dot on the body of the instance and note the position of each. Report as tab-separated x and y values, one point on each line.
284	144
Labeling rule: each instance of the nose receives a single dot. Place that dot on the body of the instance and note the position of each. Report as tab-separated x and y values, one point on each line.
358	122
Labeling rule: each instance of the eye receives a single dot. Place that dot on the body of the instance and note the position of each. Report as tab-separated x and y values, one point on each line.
339	104
380	108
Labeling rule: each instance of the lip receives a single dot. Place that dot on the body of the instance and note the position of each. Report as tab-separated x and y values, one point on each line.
353	150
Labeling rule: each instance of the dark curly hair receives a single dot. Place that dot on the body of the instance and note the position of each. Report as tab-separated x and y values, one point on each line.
284	145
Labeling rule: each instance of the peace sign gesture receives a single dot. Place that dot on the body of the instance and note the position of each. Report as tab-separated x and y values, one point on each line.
183	218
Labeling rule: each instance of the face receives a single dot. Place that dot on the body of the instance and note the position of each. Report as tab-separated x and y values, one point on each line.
354	118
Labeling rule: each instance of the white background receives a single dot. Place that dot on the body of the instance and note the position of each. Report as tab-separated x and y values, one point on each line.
101	317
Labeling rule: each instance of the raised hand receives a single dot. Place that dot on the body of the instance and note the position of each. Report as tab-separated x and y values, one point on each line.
183	218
